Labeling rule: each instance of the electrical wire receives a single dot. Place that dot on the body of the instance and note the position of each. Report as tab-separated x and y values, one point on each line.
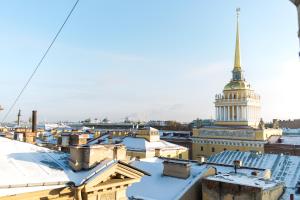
39	63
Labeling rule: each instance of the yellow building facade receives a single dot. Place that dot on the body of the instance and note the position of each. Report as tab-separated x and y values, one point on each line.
153	146
145	143
238	125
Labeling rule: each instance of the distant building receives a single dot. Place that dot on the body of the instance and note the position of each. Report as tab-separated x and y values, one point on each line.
30	172
292	124
113	125
145	143
288	145
238	125
182	138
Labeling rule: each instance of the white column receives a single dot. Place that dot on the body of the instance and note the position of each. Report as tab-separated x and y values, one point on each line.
228	113
238	113
230	109
252	113
242	113
233	113
222	109
249	113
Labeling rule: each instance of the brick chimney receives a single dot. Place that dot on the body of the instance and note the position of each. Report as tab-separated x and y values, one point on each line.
34	121
177	169
86	157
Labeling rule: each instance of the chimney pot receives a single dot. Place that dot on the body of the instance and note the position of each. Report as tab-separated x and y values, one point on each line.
34	121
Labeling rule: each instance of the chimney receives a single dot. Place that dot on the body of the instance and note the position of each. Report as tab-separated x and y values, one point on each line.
19	117
267	174
201	160
178	169
85	157
34	121
291	196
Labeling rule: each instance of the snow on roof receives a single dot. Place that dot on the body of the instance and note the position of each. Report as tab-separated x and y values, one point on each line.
137	144
24	163
149	128
293	140
242	179
133	143
161	187
283	168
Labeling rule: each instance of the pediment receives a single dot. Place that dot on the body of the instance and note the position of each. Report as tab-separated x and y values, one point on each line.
115	175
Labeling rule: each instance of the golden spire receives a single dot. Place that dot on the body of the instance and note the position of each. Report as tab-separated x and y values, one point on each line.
237	58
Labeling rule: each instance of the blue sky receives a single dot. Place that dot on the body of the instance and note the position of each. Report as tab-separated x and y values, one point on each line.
146	59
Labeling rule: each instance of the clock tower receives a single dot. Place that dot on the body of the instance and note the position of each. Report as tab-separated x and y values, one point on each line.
238	105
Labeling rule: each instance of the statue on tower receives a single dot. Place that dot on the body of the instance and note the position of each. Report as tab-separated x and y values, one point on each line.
261	124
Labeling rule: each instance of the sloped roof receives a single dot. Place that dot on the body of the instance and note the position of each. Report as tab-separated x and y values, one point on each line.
25	167
283	167
242	179
161	187
137	144
133	143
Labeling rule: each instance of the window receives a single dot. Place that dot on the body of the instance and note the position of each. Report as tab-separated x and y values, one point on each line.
201	148
225	149
180	156
213	149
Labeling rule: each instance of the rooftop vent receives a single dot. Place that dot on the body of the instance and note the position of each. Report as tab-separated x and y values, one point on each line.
237	164
254	173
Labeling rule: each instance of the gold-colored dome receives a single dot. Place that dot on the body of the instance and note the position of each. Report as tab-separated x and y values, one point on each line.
237	85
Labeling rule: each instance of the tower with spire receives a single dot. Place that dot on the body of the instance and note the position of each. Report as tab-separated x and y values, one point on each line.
238	126
238	105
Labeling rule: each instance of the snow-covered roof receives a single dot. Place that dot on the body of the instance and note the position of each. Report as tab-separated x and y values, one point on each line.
242	179
142	144
161	187
284	168
26	167
138	144
292	140
149	128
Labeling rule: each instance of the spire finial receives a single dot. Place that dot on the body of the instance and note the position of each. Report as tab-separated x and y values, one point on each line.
237	59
